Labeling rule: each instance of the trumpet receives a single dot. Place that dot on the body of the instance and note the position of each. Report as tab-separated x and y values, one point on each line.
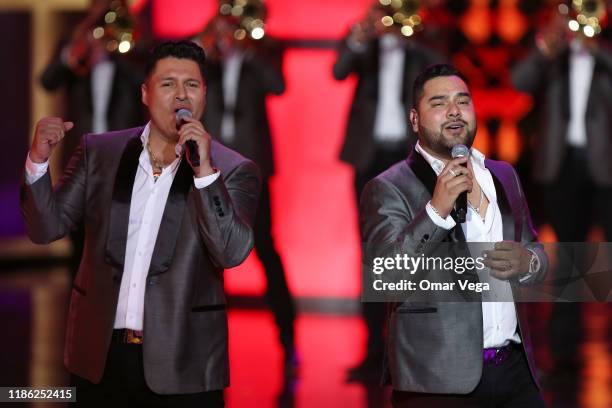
249	16
116	29
402	14
586	16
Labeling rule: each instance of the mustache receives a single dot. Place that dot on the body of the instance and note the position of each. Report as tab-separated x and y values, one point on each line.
445	124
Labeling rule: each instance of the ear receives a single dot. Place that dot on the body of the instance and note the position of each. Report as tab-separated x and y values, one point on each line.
414	120
144	93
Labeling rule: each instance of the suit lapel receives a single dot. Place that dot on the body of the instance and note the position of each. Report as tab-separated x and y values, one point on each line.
171	220
507	200
428	177
120	205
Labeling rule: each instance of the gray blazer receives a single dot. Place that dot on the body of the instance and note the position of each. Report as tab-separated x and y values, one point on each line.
435	346
548	82
201	233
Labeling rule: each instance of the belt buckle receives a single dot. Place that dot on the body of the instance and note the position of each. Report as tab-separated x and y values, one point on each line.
133	336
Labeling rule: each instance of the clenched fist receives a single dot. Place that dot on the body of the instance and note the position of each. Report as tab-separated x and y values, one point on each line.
49	132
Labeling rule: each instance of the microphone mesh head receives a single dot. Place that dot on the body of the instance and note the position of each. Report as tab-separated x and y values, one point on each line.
182	114
460	150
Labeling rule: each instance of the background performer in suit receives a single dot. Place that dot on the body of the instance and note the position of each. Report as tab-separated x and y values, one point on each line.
570	78
147	321
241	74
378	132
454	354
102	91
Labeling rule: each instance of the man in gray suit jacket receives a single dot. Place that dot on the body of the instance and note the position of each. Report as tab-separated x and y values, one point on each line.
147	320
454	353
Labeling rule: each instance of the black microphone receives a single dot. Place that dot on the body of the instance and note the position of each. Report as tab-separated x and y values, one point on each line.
191	145
460	150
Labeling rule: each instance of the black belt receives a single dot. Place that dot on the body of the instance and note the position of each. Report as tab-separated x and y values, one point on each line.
127	336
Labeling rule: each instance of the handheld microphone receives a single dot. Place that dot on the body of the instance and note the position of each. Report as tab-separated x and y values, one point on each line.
191	145
460	150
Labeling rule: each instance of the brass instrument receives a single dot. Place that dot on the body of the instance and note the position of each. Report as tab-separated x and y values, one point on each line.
116	29
249	16
402	14
585	16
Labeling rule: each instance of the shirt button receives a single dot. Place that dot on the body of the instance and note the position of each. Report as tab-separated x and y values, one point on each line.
133	285
139	253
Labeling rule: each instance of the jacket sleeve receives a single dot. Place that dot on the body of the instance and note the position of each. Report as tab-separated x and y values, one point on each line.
347	62
50	214
56	73
529	238
225	213
389	229
527	74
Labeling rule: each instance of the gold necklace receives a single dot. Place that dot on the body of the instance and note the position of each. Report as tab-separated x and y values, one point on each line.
156	165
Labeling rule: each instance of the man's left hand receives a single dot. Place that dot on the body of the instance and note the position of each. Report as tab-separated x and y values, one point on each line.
194	130
508	260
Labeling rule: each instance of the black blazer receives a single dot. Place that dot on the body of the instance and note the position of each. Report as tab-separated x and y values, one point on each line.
548	82
359	145
260	75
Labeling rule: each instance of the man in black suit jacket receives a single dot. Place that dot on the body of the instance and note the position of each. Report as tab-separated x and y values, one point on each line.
377	133
147	323
570	79
240	76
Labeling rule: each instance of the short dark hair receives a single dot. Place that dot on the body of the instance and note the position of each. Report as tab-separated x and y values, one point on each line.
176	49
432	71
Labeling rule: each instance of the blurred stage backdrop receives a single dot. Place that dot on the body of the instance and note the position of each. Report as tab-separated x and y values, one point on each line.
316	228
314	211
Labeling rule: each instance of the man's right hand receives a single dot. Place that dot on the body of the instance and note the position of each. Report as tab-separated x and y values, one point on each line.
452	181
49	132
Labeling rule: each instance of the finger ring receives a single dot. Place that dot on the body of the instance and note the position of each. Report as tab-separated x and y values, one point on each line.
452	172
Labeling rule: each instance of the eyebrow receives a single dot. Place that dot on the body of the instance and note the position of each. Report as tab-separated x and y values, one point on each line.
170	78
444	97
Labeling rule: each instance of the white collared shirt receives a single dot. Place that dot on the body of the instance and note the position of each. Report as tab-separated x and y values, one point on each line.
390	121
146	210
498	318
102	75
232	66
581	65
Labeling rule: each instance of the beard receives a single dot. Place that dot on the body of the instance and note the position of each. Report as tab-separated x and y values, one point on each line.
441	145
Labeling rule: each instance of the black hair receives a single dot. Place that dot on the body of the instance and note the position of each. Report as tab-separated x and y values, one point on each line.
177	49
432	71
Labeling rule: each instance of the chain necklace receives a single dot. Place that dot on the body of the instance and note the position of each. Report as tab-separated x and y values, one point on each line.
477	209
157	167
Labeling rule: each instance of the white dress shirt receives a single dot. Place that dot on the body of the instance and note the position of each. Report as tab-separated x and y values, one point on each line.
581	65
102	75
390	121
498	318
146	210
232	65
